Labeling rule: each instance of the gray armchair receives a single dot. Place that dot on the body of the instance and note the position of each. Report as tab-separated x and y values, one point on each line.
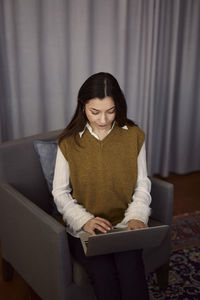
36	245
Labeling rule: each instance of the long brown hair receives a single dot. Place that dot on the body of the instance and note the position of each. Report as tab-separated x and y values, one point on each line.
99	85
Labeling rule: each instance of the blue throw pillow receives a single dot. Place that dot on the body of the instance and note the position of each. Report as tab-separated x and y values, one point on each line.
47	151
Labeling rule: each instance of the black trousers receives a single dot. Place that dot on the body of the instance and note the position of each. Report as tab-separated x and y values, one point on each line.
116	276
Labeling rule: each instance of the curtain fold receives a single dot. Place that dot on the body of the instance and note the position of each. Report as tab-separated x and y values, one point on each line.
48	48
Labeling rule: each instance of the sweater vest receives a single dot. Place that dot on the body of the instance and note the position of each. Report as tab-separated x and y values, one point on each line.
103	174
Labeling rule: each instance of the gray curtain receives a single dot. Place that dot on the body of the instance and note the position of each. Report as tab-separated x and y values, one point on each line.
49	47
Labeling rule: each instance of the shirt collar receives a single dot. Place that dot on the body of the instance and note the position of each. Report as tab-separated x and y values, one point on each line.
91	131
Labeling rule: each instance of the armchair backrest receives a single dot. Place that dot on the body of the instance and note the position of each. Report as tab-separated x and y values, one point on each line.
20	167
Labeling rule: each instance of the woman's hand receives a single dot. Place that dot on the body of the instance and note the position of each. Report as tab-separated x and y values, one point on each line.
98	223
135	224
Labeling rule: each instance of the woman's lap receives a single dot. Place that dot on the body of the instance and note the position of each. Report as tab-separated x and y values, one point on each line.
117	276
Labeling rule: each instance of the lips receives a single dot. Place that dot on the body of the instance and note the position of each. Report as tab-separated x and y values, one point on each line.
103	126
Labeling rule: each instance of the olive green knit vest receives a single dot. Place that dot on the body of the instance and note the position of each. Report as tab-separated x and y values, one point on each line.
103	174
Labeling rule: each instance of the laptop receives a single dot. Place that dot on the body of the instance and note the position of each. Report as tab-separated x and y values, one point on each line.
119	239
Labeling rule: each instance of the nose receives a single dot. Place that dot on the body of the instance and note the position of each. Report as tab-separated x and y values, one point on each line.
102	119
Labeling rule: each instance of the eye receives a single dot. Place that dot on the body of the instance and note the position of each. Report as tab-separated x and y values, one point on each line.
94	113
111	112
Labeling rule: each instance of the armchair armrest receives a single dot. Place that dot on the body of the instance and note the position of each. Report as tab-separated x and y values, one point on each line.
162	200
34	244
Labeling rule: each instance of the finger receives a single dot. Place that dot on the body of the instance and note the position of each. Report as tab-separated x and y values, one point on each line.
95	224
100	227
104	221
95	227
131	228
141	225
134	227
145	226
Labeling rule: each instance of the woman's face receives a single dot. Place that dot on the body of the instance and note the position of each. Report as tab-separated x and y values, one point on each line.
100	113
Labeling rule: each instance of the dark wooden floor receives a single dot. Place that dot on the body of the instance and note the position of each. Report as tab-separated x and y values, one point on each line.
186	199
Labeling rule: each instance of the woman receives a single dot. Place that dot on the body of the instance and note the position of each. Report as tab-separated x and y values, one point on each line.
101	181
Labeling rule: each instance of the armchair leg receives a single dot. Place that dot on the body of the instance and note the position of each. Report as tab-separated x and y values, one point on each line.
163	276
7	270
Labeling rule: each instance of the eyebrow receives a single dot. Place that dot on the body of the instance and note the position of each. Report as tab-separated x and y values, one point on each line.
98	109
